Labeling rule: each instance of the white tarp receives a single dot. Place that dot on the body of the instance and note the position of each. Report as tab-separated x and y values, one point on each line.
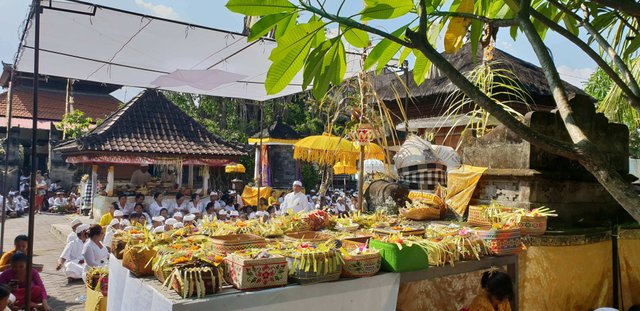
84	41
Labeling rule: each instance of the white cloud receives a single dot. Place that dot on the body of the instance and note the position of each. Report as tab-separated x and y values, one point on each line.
575	76
159	10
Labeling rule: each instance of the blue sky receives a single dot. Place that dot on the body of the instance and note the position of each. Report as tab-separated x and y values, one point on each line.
574	66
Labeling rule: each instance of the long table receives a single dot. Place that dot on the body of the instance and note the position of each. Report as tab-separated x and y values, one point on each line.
380	292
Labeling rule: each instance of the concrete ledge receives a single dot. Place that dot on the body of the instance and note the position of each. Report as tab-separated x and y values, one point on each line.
61	231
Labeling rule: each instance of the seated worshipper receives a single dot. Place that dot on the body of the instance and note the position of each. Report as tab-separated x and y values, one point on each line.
178	216
295	201
497	289
76	201
228	204
118	214
237	200
272	199
164	213
106	218
71	258
340	208
139	209
168	224
222	215
16	277
263	204
48	203
6	298
178	225
74	225
157	230
215	199
138	219
158	203
110	231
272	211
157	221
131	206
181	205
122	203
233	215
141	176
262	215
20	243
209	211
189	220
196	202
195	212
94	252
61	203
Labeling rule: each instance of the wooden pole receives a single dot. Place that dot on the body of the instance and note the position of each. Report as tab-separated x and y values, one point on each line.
94	186
260	159
205	180
190	182
361	179
110	181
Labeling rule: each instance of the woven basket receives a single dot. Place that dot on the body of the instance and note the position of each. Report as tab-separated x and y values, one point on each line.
307	236
529	225
477	217
401	260
322	272
502	242
355	242
225	244
389	231
117	246
361	265
423	213
137	259
212	285
247	273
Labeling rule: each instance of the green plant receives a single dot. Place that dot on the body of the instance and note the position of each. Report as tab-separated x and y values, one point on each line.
74	124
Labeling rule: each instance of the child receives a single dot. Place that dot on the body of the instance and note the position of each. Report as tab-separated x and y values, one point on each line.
497	289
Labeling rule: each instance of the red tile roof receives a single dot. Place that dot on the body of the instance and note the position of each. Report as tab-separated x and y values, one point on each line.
151	124
51	104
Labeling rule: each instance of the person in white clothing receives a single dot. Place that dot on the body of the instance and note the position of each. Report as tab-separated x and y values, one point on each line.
141	176
122	203
295	201
158	204
94	252
73	234
71	258
131	206
213	197
110	232
182	204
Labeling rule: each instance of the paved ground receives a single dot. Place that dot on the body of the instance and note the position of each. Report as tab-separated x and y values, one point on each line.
50	233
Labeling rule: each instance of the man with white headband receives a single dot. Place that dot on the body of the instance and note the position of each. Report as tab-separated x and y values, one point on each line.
71	258
110	232
295	201
74	225
157	221
169	223
189	220
222	215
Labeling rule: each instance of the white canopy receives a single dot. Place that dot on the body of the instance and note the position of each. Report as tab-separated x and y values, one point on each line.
91	42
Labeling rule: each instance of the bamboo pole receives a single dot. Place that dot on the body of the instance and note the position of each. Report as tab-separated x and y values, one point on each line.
361	179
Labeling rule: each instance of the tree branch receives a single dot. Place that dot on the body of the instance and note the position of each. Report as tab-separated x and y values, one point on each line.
353	24
626	22
553	78
496	22
617	61
634	99
422	28
545	142
629	7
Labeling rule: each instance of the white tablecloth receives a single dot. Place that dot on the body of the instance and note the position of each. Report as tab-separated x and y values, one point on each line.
380	292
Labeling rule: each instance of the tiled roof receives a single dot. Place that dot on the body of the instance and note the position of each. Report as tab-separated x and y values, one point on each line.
51	104
151	124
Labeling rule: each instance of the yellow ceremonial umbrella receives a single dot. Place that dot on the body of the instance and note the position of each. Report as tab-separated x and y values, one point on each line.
325	149
235	168
373	151
342	168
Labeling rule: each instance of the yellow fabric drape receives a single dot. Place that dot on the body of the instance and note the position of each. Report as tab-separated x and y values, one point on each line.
629	251
461	183
249	195
566	277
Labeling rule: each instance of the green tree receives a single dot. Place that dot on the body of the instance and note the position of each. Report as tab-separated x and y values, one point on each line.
74	124
610	25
